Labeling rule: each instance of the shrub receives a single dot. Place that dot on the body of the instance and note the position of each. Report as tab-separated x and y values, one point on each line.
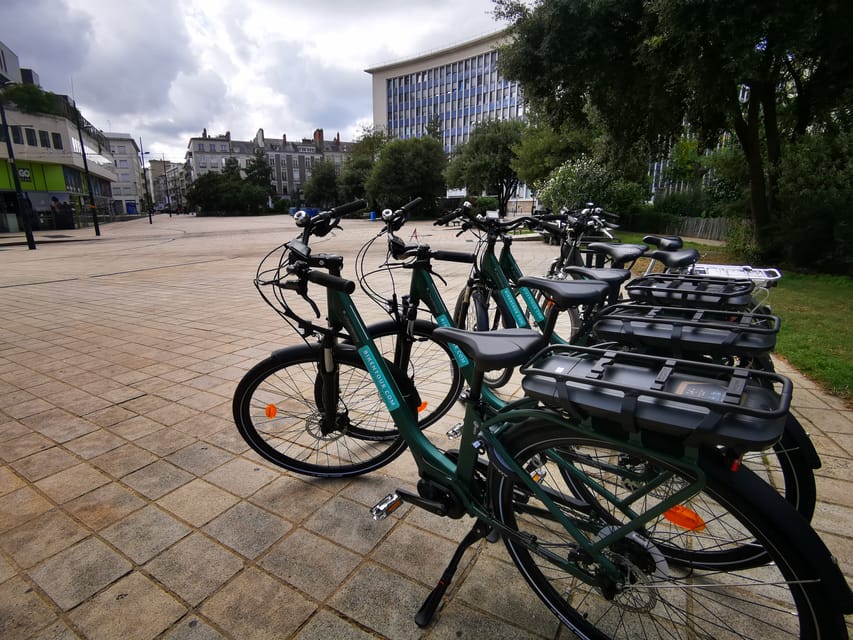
816	193
582	180
575	183
690	203
647	219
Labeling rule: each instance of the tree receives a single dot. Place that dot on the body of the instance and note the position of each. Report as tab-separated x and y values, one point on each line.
543	148
231	168
353	178
485	162
407	169
765	71
226	192
259	172
364	153
321	189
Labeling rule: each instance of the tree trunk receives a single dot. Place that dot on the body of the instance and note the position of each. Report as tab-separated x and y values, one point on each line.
748	133
774	151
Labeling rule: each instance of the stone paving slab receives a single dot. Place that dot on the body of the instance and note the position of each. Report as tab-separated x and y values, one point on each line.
131	508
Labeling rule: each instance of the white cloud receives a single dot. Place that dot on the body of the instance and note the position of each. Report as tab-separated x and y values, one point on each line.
164	70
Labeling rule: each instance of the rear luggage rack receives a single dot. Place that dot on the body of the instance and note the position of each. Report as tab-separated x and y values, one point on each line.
689	330
672	289
695	403
760	276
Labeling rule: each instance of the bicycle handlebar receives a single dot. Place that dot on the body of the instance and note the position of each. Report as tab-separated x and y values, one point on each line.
453	256
328	280
350	207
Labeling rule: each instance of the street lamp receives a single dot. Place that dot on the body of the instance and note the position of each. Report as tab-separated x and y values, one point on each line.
86	171
19	194
142	154
166	183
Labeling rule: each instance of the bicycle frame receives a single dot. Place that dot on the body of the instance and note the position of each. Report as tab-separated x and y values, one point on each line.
459	476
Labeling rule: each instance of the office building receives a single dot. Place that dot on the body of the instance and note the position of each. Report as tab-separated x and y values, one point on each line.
453	88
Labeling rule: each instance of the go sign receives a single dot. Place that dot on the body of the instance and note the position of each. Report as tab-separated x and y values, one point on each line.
24	174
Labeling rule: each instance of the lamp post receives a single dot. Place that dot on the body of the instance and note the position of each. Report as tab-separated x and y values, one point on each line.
166	184
88	175
19	194
142	155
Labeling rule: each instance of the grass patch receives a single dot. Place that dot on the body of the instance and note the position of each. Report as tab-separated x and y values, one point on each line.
816	310
816	337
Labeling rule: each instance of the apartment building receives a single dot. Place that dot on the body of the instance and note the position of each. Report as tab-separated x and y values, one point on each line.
48	148
130	189
453	88
291	161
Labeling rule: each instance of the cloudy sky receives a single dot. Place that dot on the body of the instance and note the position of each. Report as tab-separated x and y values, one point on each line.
163	70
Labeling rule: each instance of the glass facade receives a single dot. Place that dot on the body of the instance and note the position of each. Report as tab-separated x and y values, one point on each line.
454	96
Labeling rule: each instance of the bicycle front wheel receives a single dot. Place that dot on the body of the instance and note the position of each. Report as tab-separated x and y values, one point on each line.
430	366
279	412
683	574
568	321
474	311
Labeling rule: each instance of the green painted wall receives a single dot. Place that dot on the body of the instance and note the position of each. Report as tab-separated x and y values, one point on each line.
43	177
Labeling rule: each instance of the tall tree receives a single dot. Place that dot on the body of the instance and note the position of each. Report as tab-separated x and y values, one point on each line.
364	153
259	172
321	189
543	148
407	169
485	162
766	71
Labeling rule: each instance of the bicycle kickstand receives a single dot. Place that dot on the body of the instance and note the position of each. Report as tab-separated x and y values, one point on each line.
479	531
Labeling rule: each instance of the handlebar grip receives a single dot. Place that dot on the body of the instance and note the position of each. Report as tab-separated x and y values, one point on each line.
332	282
411	205
443	220
453	256
350	207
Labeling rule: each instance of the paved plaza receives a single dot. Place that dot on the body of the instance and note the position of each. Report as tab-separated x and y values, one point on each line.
130	508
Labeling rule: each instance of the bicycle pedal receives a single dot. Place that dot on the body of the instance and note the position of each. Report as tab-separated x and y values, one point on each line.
386	506
455	431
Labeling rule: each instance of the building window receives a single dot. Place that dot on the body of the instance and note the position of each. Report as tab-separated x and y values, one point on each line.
223	147
31	137
44	139
122	149
57	140
124	177
200	146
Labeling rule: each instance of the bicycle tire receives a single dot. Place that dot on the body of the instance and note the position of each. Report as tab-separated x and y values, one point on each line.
471	312
664	595
277	408
432	368
568	321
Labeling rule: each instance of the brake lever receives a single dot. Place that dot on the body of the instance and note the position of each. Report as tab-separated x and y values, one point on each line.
437	275
301	288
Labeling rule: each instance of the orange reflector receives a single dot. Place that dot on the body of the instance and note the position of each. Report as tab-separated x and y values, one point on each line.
271	411
685	518
422	406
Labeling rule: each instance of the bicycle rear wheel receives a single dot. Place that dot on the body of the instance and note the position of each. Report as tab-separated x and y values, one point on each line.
696	571
279	412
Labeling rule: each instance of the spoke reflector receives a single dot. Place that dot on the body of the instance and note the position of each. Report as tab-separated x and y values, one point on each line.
422	406
685	518
271	411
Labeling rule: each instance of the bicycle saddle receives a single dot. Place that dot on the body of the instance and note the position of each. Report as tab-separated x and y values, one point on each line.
667	243
675	259
494	349
620	254
610	276
568	293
